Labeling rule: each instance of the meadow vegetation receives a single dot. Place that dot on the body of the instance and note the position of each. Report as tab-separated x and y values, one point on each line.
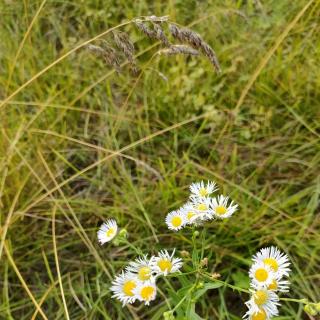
81	142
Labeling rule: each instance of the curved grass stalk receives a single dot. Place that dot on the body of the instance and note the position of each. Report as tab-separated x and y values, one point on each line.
34	19
265	59
67	54
25	286
56	257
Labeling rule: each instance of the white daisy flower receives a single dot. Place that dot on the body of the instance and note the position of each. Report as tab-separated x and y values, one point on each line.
277	285
123	286
262	299
221	209
202	206
259	315
165	263
191	215
262	274
200	189
175	220
107	231
277	260
142	267
146	291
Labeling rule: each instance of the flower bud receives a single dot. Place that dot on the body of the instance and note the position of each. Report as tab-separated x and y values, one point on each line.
310	309
123	233
215	275
204	262
196	234
185	254
121	237
200	285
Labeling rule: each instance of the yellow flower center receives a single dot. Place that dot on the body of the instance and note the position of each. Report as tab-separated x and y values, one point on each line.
203	192
260	297
176	221
147	292
272	263
165	265
190	214
261	275
110	232
221	210
144	273
261	315
202	207
128	287
273	285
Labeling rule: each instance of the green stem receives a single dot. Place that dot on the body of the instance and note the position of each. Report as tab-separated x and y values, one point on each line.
208	276
184	298
304	301
130	245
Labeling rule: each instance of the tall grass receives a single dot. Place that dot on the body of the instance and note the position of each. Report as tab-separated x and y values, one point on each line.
80	142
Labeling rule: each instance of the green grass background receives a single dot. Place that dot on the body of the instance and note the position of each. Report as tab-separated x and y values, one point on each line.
260	145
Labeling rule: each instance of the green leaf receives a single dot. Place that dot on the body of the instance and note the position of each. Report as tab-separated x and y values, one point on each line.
184	280
207	286
240	279
191	313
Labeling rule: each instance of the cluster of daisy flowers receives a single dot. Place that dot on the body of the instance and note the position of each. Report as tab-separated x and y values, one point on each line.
201	207
138	281
270	267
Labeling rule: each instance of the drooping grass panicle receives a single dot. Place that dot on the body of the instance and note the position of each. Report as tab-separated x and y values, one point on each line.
95	49
108	53
142	26
154	28
195	40
156	32
124	43
154	18
179	49
160	35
